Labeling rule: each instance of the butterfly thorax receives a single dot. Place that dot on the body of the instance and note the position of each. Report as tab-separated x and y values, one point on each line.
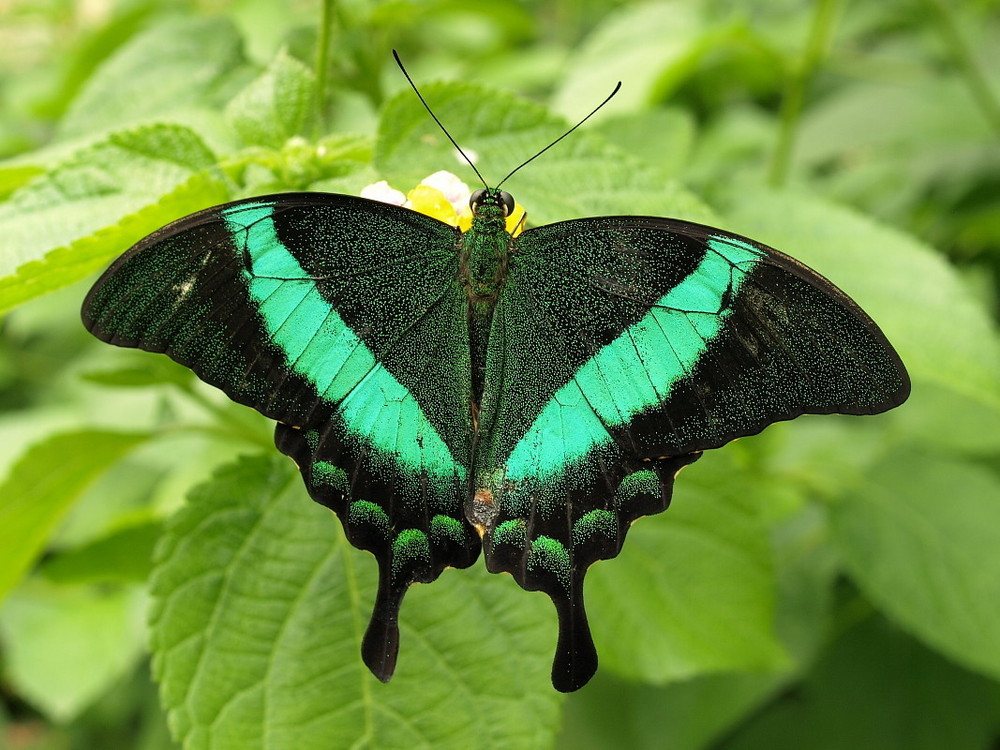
485	249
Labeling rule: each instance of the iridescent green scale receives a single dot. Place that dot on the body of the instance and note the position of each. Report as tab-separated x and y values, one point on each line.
446	392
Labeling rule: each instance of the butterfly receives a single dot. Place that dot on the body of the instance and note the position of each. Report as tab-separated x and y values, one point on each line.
448	393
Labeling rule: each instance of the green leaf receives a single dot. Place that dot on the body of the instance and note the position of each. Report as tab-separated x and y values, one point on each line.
281	103
876	688
125	555
77	217
692	591
942	334
650	47
43	485
13	176
504	130
145	372
920	538
666	135
260	605
694	713
64	647
176	66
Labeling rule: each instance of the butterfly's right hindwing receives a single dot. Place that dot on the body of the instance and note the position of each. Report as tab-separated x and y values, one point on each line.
340	318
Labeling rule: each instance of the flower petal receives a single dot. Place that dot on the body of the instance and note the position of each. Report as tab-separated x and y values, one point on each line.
381	191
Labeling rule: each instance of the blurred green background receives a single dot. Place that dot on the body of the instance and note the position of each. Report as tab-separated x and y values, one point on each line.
831	583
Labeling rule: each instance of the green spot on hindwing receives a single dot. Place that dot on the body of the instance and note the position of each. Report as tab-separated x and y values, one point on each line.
635	486
446	529
410	549
593	523
325	473
551	556
365	513
312	439
511	532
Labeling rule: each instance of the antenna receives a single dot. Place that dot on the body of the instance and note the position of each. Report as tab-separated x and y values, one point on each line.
606	100
431	113
459	148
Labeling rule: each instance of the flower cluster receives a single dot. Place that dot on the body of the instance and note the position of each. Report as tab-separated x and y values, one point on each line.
442	196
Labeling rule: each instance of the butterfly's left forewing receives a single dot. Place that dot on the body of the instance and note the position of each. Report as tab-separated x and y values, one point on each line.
341	319
621	347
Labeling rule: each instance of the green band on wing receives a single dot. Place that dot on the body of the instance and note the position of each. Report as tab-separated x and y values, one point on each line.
637	370
319	346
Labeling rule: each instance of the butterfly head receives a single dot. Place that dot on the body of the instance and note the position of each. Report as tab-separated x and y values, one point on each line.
493	205
492	197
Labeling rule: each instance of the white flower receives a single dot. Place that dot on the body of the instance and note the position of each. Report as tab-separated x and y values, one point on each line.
381	191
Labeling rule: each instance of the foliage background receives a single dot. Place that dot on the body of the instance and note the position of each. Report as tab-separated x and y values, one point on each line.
831	583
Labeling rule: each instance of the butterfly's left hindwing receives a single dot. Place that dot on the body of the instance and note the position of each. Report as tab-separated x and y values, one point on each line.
341	318
621	347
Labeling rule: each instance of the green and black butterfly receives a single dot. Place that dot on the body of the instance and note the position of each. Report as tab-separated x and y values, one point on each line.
532	396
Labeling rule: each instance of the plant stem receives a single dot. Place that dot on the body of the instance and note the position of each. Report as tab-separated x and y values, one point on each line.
323	63
236	425
823	23
968	66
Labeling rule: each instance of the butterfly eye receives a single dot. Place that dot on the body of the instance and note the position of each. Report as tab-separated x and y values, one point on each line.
476	199
508	203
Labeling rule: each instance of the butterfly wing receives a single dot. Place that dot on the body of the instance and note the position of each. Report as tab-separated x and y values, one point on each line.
621	347
340	318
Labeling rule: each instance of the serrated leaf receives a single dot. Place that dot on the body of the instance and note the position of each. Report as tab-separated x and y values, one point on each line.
13	176
177	64
279	104
920	538
64	647
42	486
941	332
581	176
260	605
691	593
77	217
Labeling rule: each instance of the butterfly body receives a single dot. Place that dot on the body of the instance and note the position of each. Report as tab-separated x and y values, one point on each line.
486	250
528	396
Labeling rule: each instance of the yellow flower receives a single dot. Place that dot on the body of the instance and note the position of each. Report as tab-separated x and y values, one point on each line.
442	196
431	201
516	220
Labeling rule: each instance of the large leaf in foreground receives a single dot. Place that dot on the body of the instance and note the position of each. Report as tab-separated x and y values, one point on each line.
259	612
